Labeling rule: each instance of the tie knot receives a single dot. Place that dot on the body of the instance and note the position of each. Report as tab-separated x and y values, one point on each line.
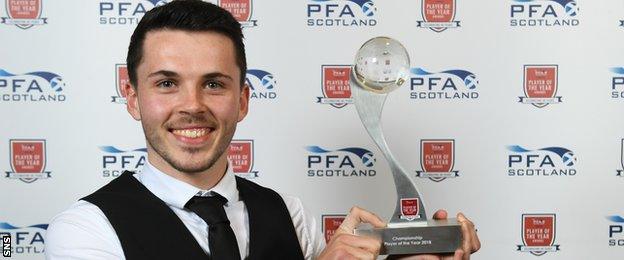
209	208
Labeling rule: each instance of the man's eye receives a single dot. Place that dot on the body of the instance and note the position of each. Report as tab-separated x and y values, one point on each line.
213	85
166	84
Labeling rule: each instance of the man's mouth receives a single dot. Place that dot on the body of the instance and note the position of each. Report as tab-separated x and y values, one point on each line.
191	132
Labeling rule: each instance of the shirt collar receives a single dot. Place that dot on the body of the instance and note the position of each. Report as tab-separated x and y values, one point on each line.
176	193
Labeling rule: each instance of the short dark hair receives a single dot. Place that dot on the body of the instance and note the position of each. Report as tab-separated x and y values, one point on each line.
186	15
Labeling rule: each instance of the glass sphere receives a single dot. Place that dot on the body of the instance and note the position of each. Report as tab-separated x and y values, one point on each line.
381	65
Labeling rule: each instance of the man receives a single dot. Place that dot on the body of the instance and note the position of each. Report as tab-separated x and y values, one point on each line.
186	63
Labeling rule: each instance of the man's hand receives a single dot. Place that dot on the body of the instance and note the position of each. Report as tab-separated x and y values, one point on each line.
470	242
345	245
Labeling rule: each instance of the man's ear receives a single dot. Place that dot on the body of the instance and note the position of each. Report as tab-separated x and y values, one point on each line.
243	102
132	100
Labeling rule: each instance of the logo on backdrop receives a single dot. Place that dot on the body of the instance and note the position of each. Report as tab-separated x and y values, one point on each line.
617	82
28	160
437	158
616	230
345	13
438	15
27	240
447	84
115	161
538	234
23	13
549	161
335	85
121	79
125	12
540	85
620	172
262	84
241	157
345	162
544	13
331	224
38	86
242	10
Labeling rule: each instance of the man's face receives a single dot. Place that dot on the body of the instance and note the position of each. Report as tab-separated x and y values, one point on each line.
188	98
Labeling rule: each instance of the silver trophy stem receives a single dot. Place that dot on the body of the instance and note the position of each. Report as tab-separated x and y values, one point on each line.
369	106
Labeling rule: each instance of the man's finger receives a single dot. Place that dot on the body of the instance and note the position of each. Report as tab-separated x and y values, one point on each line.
467	241
476	244
357	216
440	214
471	242
342	250
369	244
459	255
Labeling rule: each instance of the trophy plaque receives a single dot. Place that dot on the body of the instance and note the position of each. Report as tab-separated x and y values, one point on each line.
382	65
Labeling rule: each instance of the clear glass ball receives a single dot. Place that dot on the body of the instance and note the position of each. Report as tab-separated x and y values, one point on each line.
381	65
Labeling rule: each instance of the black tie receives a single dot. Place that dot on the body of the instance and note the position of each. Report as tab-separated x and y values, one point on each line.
221	239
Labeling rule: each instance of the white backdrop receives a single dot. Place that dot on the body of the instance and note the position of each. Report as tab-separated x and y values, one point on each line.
87	136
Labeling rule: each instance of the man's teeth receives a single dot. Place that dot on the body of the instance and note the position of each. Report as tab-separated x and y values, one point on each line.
191	133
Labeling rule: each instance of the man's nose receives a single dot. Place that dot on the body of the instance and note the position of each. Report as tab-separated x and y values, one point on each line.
193	100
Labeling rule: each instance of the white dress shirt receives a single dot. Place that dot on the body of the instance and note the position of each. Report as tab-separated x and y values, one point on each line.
84	232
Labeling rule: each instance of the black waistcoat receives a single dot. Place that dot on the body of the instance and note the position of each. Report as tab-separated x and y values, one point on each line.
148	229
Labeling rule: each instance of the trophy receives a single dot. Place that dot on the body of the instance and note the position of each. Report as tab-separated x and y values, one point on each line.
381	66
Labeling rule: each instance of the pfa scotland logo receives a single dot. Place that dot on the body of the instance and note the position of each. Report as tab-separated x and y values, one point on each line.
27	240
448	84
540	85
24	13
346	13
617	83
616	230
620	172
335	85
115	161
262	84
241	10
125	12
409	208
331	224
38	86
121	79
549	161
344	162
538	234
437	158
241	157
438	15
28	160
544	13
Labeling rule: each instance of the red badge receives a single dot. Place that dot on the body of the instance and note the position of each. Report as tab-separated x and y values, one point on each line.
409	208
240	155
121	79
437	158
28	160
437	155
336	87
240	9
438	10
538	234
540	85
438	15
23	13
330	224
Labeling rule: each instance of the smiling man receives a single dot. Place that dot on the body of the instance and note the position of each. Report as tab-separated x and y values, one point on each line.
186	63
